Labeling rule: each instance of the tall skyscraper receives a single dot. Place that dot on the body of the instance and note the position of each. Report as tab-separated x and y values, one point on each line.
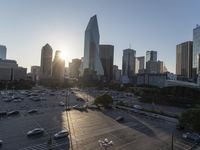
151	56
46	62
58	67
128	62
196	47
3	51
91	59
106	54
139	65
184	59
35	72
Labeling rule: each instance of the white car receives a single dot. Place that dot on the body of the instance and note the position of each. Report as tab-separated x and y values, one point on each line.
36	131
61	134
137	107
61	104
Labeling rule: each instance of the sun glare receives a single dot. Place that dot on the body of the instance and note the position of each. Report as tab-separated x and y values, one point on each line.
63	55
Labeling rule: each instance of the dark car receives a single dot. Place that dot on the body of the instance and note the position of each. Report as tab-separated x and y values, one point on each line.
13	113
119	119
32	111
3	113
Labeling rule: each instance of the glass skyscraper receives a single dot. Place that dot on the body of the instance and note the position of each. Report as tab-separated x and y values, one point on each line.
196	47
128	62
151	56
91	58
3	50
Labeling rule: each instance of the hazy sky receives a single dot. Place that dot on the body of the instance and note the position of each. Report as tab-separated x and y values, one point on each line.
27	25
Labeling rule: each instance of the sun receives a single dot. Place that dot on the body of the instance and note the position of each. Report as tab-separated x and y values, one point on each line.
63	55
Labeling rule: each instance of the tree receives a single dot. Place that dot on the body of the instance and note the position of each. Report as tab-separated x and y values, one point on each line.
105	100
190	119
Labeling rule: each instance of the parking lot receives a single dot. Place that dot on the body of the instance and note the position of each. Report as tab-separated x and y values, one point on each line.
86	127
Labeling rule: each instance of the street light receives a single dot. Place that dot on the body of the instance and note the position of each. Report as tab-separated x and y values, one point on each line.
105	143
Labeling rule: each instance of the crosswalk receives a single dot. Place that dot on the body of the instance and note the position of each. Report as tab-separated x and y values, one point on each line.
45	146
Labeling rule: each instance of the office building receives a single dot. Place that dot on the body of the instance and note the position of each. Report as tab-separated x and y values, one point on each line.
184	59
35	73
116	73
139	64
46	62
74	68
154	67
196	48
9	71
91	59
3	51
128	62
106	54
151	56
58	67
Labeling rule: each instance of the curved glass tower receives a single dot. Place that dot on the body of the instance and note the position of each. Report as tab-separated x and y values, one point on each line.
91	58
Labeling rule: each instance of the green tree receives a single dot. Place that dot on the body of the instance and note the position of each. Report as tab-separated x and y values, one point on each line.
190	119
105	100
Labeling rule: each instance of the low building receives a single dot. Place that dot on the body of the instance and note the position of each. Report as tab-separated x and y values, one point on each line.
9	71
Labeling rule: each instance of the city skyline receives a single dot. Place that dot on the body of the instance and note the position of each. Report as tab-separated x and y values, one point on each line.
140	23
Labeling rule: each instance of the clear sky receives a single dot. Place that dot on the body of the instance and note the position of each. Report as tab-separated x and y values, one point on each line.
27	25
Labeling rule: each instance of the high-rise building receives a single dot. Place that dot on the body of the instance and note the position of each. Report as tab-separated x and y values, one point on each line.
128	62
74	68
3	51
154	67
46	62
184	59
116	73
139	65
151	56
106	54
91	59
58	67
196	48
35	72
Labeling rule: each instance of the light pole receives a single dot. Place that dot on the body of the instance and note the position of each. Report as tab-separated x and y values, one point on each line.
105	143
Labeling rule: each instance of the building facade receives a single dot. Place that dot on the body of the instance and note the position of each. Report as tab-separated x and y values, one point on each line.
35	73
154	67
74	68
58	67
151	56
46	62
196	48
184	59
3	51
128	62
140	64
116	73
91	59
9	71
106	54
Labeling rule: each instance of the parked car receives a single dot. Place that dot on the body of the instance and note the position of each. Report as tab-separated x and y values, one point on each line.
32	111
137	107
61	134
191	136
3	113
13	113
1	143
36	131
61	104
119	118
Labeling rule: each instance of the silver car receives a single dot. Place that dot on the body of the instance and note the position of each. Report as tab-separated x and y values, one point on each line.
36	131
61	134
